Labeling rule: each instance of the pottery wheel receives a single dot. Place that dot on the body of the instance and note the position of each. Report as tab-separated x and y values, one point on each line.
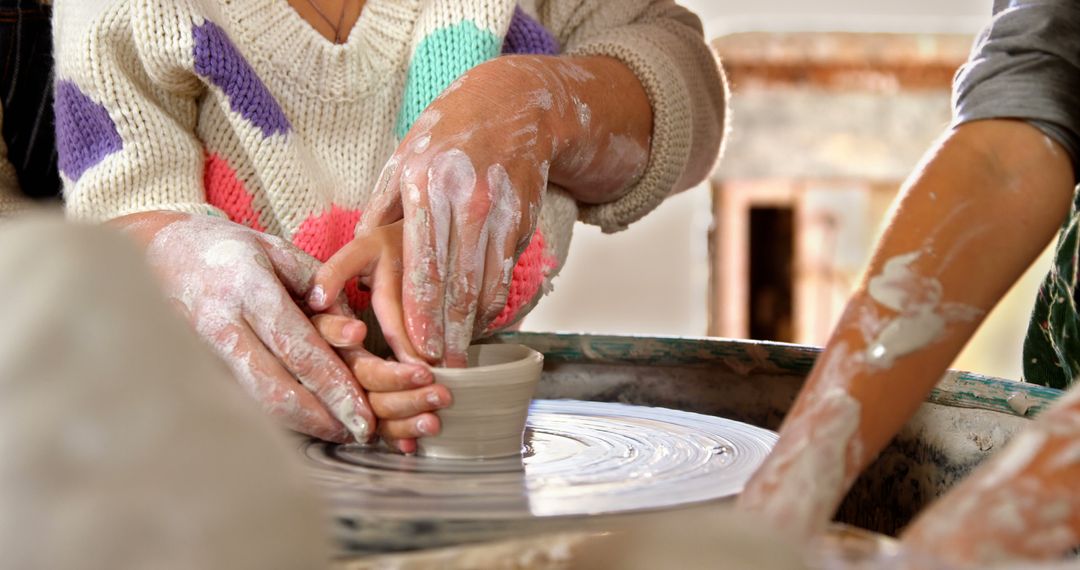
580	459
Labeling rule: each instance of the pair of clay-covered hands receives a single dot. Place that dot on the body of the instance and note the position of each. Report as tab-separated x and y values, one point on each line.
449	216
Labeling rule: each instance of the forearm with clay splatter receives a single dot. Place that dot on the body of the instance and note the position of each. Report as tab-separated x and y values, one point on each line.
980	208
600	142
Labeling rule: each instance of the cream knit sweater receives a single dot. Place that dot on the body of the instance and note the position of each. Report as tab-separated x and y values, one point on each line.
240	109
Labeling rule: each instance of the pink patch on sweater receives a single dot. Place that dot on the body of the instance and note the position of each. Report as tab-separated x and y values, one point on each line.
225	191
529	273
323	235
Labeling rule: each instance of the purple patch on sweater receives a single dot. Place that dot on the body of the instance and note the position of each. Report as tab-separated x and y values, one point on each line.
217	59
527	36
85	133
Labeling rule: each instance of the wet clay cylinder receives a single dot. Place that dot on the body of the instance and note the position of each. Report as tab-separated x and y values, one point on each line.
491	403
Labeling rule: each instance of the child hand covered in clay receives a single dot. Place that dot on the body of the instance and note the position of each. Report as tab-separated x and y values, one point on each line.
984	203
236	138
402	400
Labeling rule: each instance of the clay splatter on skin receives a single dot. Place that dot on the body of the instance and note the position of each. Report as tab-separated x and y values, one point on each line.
816	460
454	86
827	429
422	143
224	253
581	160
922	313
529	132
383	198
554	81
534	209
427	121
451	185
505	216
417	230
962	244
245	284
625	152
575	72
621	158
584	114
541	99
451	181
614	159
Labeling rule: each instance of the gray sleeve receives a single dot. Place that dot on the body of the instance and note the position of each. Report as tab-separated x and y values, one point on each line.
1026	65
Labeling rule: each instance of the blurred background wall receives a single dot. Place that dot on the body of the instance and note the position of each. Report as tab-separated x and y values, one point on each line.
833	103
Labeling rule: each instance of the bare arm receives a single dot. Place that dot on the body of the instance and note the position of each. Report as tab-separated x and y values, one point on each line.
984	203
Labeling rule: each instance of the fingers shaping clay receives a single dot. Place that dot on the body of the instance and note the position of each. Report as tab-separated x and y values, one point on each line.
491	403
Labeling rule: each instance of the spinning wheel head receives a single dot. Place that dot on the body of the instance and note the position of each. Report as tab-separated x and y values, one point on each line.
581	459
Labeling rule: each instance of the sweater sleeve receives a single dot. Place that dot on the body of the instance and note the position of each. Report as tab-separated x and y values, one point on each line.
12	200
664	45
125	128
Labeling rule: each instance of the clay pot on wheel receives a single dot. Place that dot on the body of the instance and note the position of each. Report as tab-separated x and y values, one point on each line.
491	403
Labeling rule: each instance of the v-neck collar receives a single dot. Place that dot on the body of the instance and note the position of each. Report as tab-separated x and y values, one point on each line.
348	36
298	53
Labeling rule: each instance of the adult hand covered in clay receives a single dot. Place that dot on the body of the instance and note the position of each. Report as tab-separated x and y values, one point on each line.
469	178
236	287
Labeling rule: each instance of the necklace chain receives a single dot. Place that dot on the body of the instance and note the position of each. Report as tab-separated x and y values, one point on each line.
329	22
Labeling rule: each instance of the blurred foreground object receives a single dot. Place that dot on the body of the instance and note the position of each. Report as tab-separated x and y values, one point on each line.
125	443
704	538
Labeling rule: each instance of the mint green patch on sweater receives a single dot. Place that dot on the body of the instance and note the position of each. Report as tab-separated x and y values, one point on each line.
442	57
